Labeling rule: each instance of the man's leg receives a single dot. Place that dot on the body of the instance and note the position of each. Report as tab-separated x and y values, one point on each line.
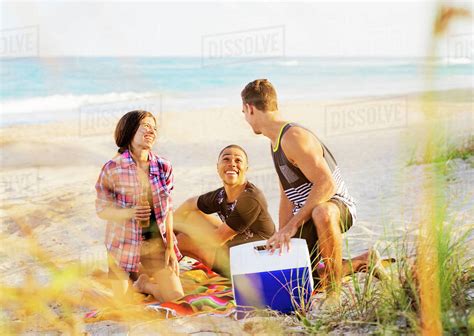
326	218
331	220
369	261
192	248
193	239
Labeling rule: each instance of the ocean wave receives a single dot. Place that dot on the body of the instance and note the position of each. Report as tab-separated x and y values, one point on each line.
457	61
288	63
72	102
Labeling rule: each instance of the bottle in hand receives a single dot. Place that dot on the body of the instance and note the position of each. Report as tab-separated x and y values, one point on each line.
144	223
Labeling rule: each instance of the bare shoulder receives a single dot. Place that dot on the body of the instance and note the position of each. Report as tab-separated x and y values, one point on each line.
298	141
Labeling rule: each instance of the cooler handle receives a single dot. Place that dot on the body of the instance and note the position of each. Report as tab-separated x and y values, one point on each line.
261	250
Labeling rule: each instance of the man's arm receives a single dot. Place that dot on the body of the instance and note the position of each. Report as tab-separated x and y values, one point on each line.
286	209
217	236
304	151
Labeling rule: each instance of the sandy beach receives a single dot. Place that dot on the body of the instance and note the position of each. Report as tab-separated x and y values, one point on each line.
48	172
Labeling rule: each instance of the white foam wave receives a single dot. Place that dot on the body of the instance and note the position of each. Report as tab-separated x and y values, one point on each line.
68	102
458	60
289	63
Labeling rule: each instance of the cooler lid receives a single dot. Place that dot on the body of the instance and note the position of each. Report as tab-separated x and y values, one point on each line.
253	257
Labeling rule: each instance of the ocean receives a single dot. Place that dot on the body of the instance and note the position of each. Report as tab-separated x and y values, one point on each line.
50	89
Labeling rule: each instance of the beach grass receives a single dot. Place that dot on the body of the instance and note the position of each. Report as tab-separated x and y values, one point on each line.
394	305
445	152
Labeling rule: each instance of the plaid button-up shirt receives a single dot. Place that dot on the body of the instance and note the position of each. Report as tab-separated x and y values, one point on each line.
118	187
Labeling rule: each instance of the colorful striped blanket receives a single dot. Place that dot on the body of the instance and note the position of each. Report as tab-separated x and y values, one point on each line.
205	293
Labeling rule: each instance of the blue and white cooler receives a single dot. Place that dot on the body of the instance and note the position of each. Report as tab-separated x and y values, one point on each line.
280	282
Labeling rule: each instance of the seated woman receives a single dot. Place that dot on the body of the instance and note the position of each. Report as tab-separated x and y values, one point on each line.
128	184
242	210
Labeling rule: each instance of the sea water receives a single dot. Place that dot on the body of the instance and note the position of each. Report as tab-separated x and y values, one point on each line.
52	89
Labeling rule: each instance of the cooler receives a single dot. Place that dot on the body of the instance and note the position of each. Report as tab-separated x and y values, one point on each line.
262	280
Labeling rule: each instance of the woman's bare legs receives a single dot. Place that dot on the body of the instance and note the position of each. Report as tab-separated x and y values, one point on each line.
165	287
118	280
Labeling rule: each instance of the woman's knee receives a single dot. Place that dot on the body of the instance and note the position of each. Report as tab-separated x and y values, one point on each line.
172	295
169	285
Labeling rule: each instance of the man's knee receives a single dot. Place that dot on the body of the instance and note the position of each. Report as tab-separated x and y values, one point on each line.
325	214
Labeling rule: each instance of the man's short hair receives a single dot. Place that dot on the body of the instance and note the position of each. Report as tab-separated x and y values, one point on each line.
261	94
233	146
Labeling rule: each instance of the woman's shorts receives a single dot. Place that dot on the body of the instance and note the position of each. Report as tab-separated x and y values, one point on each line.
152	257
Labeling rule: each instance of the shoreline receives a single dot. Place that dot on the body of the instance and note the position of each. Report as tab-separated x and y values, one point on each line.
95	122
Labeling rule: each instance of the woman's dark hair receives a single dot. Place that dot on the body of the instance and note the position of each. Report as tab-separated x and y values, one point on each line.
127	127
233	146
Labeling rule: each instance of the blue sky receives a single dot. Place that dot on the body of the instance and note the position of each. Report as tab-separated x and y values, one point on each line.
323	28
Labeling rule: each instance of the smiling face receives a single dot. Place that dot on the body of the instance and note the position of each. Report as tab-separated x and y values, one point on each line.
232	166
146	134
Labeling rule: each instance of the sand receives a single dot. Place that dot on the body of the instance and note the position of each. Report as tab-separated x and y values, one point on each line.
48	171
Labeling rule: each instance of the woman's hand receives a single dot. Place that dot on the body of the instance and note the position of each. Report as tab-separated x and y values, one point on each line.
171	260
141	212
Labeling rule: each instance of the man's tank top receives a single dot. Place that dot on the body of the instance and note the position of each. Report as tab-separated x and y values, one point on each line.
297	187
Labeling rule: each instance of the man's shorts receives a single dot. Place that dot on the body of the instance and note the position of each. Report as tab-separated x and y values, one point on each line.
308	232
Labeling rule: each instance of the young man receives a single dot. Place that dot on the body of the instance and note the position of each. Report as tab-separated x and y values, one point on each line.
315	203
242	215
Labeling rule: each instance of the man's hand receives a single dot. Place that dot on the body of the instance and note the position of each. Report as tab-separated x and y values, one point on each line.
171	260
281	239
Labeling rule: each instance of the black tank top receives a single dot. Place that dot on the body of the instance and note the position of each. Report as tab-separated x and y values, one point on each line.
296	186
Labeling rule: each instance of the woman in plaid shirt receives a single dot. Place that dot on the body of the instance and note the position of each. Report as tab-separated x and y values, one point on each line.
139	238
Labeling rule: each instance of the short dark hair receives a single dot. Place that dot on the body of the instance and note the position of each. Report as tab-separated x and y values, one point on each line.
233	146
261	94
128	126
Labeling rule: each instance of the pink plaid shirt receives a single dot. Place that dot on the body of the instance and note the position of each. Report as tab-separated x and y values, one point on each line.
118	186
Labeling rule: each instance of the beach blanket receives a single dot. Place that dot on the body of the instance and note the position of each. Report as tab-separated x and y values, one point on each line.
206	292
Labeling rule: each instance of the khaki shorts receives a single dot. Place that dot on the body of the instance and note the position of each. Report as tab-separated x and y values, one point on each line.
308	232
